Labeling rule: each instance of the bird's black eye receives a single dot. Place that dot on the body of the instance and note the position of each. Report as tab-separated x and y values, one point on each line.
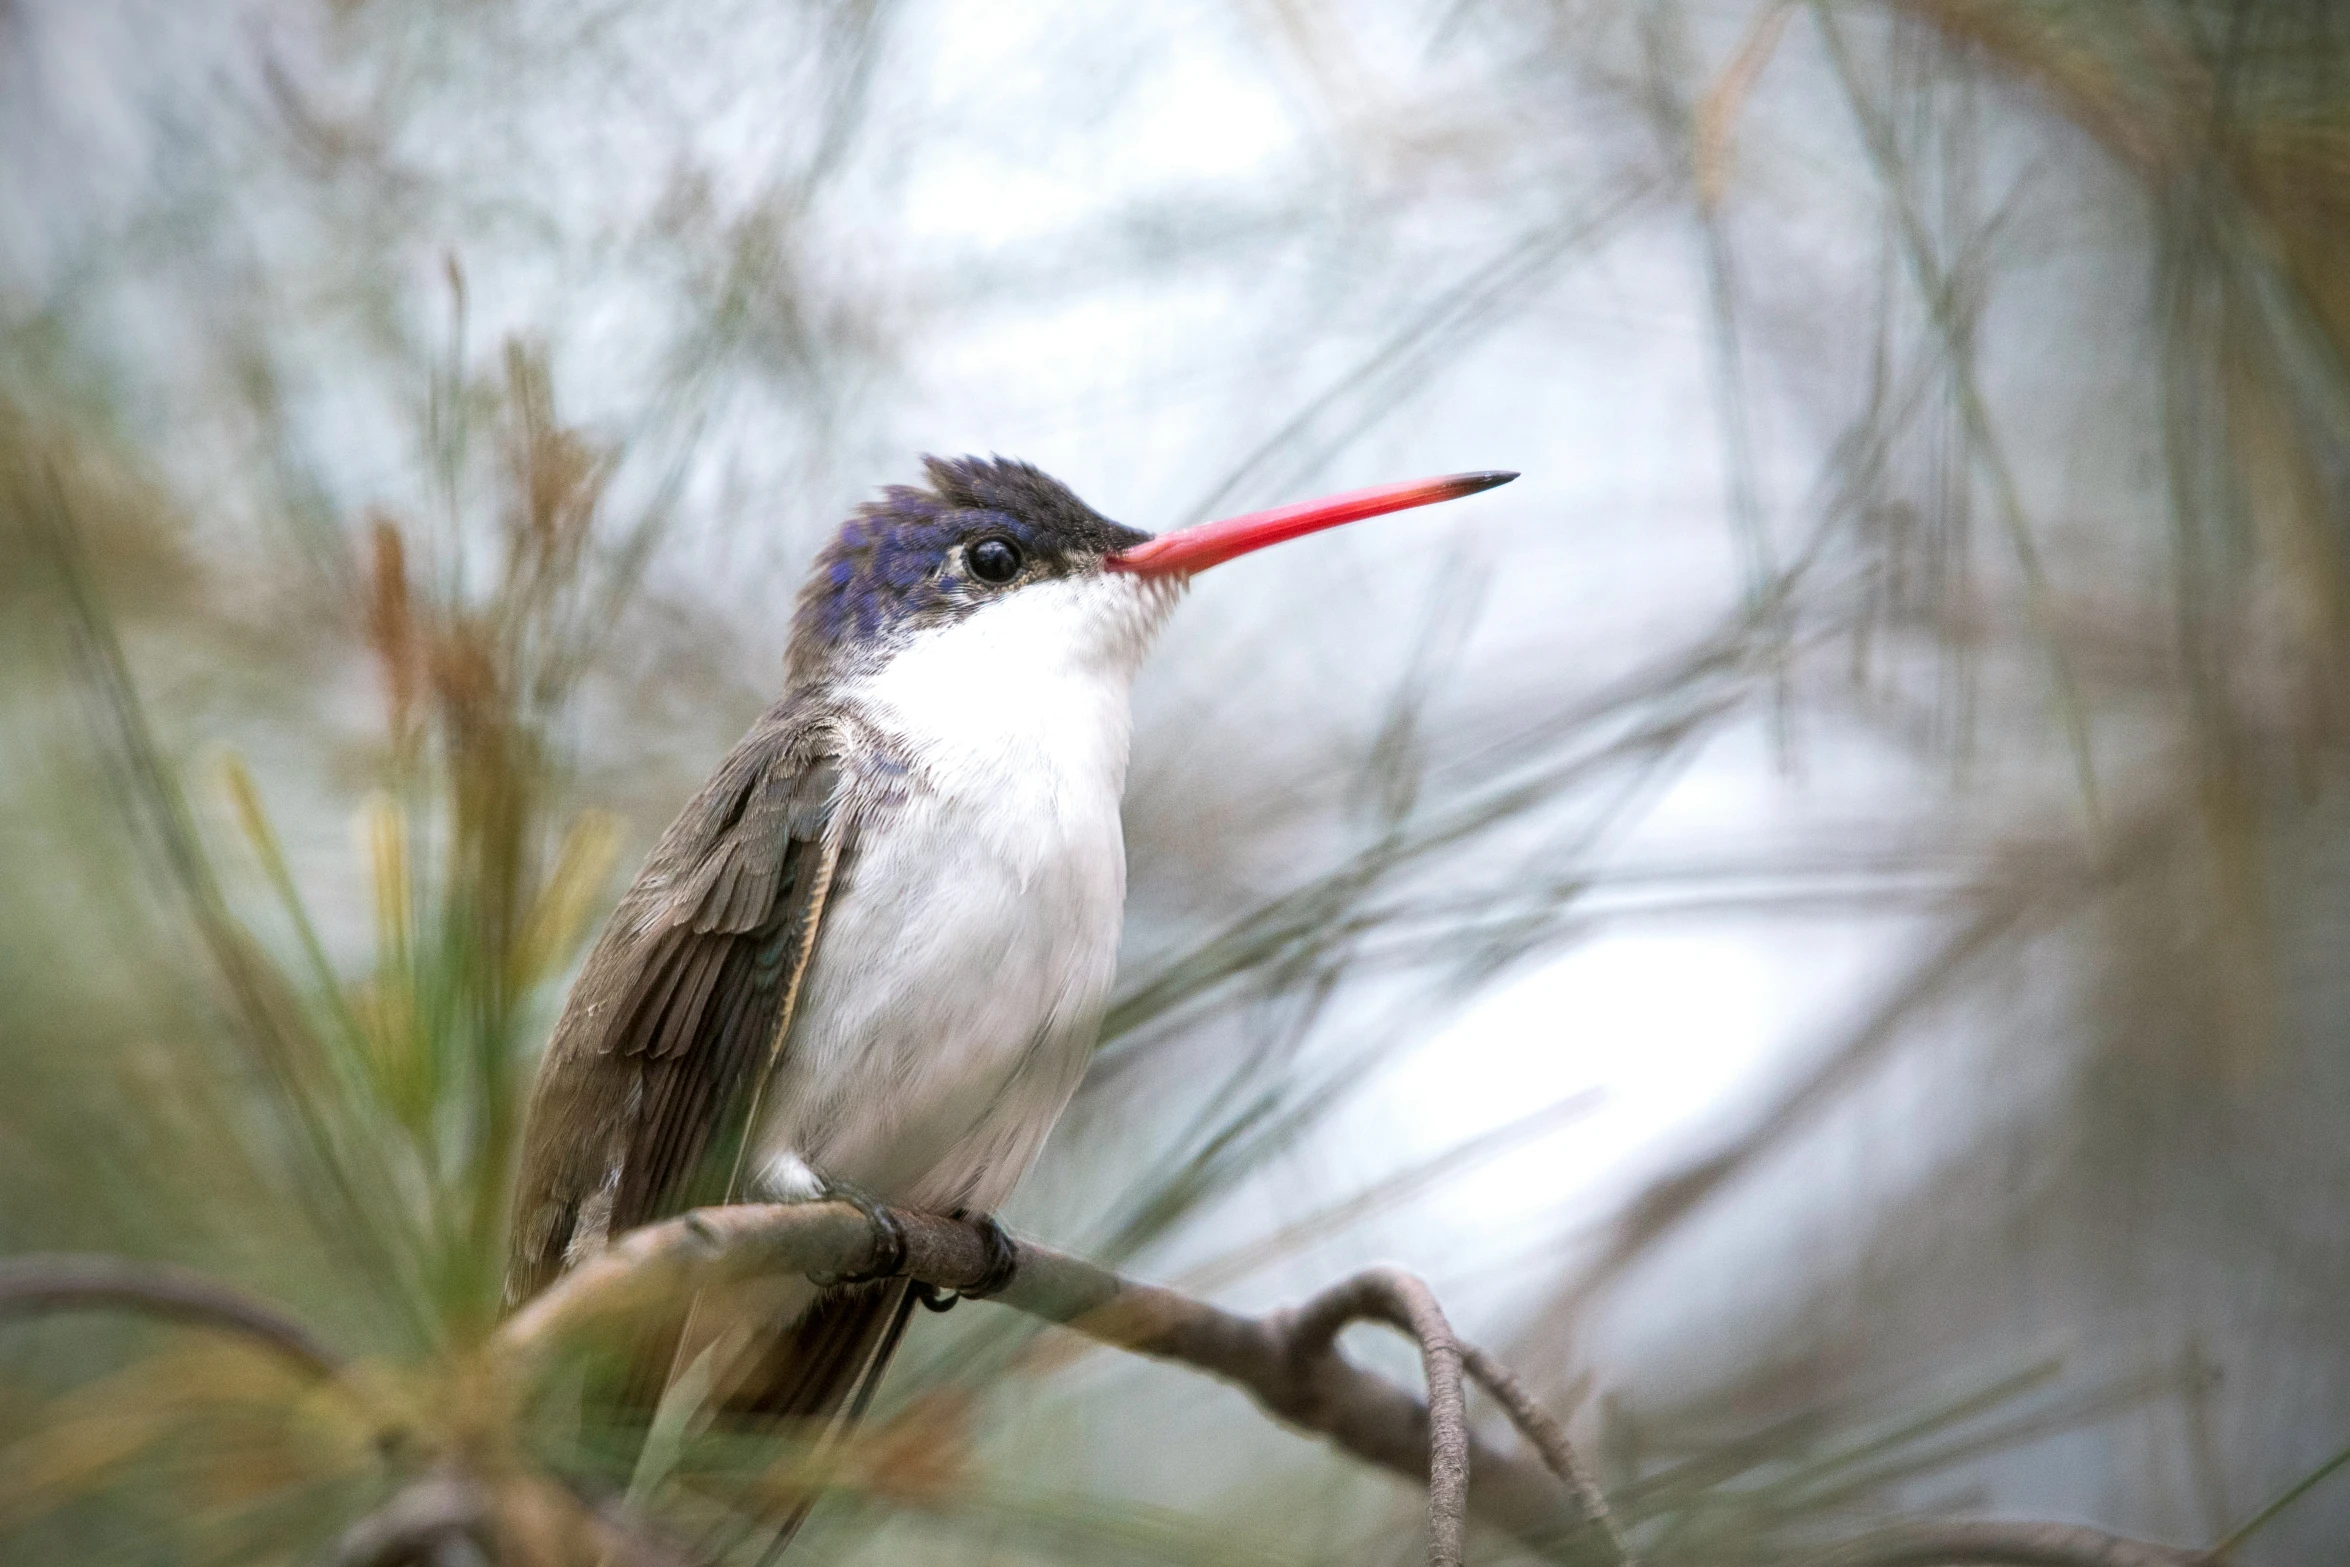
994	559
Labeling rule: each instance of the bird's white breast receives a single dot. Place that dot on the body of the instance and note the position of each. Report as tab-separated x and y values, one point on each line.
960	974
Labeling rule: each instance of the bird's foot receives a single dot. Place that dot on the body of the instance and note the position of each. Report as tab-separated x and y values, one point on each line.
889	1237
789	1178
1002	1260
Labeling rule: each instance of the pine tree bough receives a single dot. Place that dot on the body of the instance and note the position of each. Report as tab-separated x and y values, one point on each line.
1287	1360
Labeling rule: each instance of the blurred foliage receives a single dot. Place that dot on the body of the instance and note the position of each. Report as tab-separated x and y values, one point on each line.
345	666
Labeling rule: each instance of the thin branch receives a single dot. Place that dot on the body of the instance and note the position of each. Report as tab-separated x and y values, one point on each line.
440	1519
43	1283
452	1518
1287	1360
2003	1545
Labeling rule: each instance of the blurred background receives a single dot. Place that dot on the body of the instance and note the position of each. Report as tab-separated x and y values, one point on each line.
1817	918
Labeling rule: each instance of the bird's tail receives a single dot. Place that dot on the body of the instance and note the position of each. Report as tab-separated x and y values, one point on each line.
820	1373
792	1358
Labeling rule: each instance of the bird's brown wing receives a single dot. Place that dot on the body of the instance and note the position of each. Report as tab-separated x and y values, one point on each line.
642	1102
677	1018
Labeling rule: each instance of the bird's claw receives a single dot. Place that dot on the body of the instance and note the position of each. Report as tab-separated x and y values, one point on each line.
1003	1258
889	1239
1002	1261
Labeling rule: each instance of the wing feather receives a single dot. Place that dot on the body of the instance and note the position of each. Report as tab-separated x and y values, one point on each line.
682	1008
678	1019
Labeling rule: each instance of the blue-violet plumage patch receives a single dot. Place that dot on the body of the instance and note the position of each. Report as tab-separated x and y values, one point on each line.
897	563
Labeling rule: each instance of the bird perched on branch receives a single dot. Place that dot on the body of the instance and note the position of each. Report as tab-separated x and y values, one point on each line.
869	959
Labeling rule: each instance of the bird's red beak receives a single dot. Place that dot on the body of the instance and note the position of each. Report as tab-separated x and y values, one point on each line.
1187	550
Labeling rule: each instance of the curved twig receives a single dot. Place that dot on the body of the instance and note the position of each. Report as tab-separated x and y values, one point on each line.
1395	1297
1548	1438
50	1282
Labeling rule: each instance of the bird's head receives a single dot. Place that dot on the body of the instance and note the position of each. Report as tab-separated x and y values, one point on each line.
1012	556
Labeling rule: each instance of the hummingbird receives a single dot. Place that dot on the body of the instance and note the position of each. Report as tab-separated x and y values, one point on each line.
870	957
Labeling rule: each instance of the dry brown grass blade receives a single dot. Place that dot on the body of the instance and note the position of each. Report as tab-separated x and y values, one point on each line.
1717	111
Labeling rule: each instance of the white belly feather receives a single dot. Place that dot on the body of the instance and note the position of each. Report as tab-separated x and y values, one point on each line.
959	978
